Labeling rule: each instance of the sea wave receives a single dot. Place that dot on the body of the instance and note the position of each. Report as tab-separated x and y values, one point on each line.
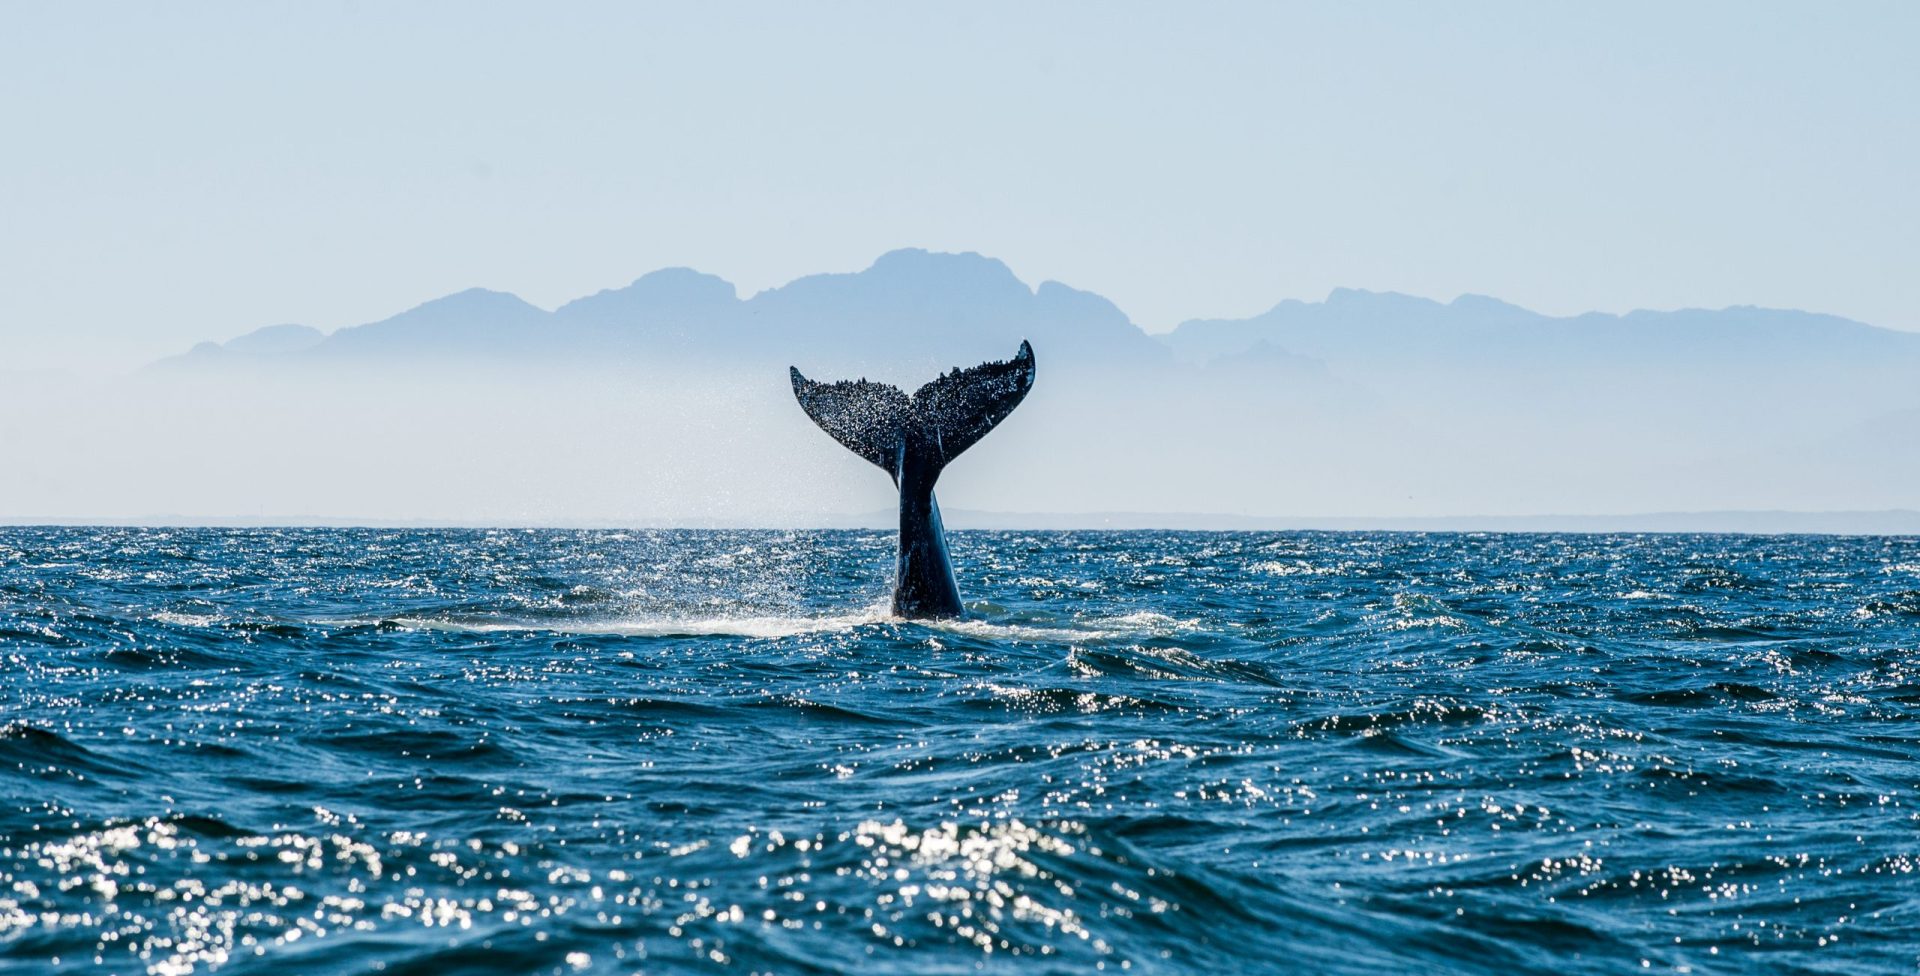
335	751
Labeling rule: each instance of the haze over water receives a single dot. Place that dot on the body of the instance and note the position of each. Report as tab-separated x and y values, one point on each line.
338	751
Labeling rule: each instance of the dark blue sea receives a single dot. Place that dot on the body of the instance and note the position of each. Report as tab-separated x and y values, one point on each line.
403	751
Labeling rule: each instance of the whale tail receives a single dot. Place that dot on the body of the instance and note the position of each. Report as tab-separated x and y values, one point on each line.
912	438
930	428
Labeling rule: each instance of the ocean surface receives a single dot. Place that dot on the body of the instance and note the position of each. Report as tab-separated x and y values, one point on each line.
400	751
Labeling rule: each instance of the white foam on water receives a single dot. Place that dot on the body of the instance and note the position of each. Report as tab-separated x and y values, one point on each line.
186	619
993	631
766	628
773	627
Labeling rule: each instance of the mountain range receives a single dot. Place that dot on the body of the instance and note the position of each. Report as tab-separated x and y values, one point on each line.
911	307
914	310
1366	404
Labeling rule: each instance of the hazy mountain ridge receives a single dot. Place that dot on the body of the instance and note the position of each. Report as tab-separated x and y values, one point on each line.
667	399
912	305
1388	327
910	308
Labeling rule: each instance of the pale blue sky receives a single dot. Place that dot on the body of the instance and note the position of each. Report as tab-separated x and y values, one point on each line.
174	172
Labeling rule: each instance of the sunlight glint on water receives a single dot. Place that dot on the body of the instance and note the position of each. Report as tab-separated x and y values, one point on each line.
326	750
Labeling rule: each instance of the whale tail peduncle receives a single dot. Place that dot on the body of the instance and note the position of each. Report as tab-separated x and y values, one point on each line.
924	431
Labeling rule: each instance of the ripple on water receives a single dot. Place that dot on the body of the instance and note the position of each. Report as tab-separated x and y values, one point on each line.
326	751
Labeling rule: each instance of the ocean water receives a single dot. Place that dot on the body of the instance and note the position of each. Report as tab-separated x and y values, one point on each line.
357	751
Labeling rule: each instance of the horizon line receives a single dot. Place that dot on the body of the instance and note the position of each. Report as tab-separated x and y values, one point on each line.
1895	522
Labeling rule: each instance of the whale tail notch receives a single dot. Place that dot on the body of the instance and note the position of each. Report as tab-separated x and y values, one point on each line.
942	419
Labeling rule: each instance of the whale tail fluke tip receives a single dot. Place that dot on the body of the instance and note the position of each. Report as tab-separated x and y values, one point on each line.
958	409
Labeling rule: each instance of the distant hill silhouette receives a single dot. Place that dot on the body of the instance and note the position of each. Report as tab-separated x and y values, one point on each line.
914	307
911	310
1475	361
1387	328
475	321
1365	403
1718	377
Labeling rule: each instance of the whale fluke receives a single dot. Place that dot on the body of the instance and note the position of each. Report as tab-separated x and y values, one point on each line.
913	439
875	420
866	418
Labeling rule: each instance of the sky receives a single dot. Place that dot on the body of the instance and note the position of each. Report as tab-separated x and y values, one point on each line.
177	172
